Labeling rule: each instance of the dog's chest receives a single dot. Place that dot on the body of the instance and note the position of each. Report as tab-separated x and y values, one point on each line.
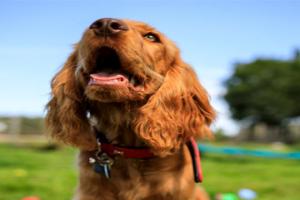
137	180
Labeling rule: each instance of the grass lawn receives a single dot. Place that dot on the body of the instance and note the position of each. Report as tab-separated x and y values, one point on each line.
28	171
271	178
51	175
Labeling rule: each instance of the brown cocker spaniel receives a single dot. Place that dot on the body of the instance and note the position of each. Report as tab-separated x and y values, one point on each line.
128	101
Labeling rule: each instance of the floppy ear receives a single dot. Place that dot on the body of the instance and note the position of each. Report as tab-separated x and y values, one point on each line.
180	109
66	113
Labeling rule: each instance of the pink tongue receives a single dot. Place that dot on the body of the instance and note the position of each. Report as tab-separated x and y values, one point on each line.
108	79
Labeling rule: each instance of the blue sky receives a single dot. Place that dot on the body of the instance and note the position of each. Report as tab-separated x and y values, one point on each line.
37	36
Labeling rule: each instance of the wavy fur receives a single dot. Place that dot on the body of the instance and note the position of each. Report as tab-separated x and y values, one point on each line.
166	107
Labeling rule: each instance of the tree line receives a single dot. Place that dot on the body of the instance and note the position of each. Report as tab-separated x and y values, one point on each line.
266	91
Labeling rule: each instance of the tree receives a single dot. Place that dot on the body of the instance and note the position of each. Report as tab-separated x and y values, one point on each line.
265	91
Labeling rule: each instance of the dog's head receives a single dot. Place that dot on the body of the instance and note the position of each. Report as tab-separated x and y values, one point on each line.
122	61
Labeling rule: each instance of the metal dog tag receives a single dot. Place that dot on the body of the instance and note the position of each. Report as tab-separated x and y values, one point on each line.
102	164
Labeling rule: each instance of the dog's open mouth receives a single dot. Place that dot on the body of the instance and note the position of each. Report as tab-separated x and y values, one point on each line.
108	71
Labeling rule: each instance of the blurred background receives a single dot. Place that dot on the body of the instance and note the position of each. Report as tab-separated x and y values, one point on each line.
246	54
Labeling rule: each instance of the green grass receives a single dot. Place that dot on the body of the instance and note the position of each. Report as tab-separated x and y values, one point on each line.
270	178
35	172
51	175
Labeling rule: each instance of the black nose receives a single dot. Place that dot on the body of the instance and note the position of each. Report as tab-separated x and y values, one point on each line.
108	26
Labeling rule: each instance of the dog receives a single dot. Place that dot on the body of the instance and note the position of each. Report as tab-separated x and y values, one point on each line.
129	102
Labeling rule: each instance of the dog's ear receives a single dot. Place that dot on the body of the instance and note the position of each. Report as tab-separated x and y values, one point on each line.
180	109
66	117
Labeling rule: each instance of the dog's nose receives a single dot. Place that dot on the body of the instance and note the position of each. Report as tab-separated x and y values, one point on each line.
108	26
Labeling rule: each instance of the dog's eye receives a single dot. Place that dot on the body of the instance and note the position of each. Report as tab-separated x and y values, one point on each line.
151	37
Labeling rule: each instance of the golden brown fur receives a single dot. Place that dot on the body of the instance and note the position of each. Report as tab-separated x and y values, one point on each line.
166	108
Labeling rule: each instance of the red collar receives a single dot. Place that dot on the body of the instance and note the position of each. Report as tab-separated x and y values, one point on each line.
104	156
128	152
113	150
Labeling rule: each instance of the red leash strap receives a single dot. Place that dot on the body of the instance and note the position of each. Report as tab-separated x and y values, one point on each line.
195	154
